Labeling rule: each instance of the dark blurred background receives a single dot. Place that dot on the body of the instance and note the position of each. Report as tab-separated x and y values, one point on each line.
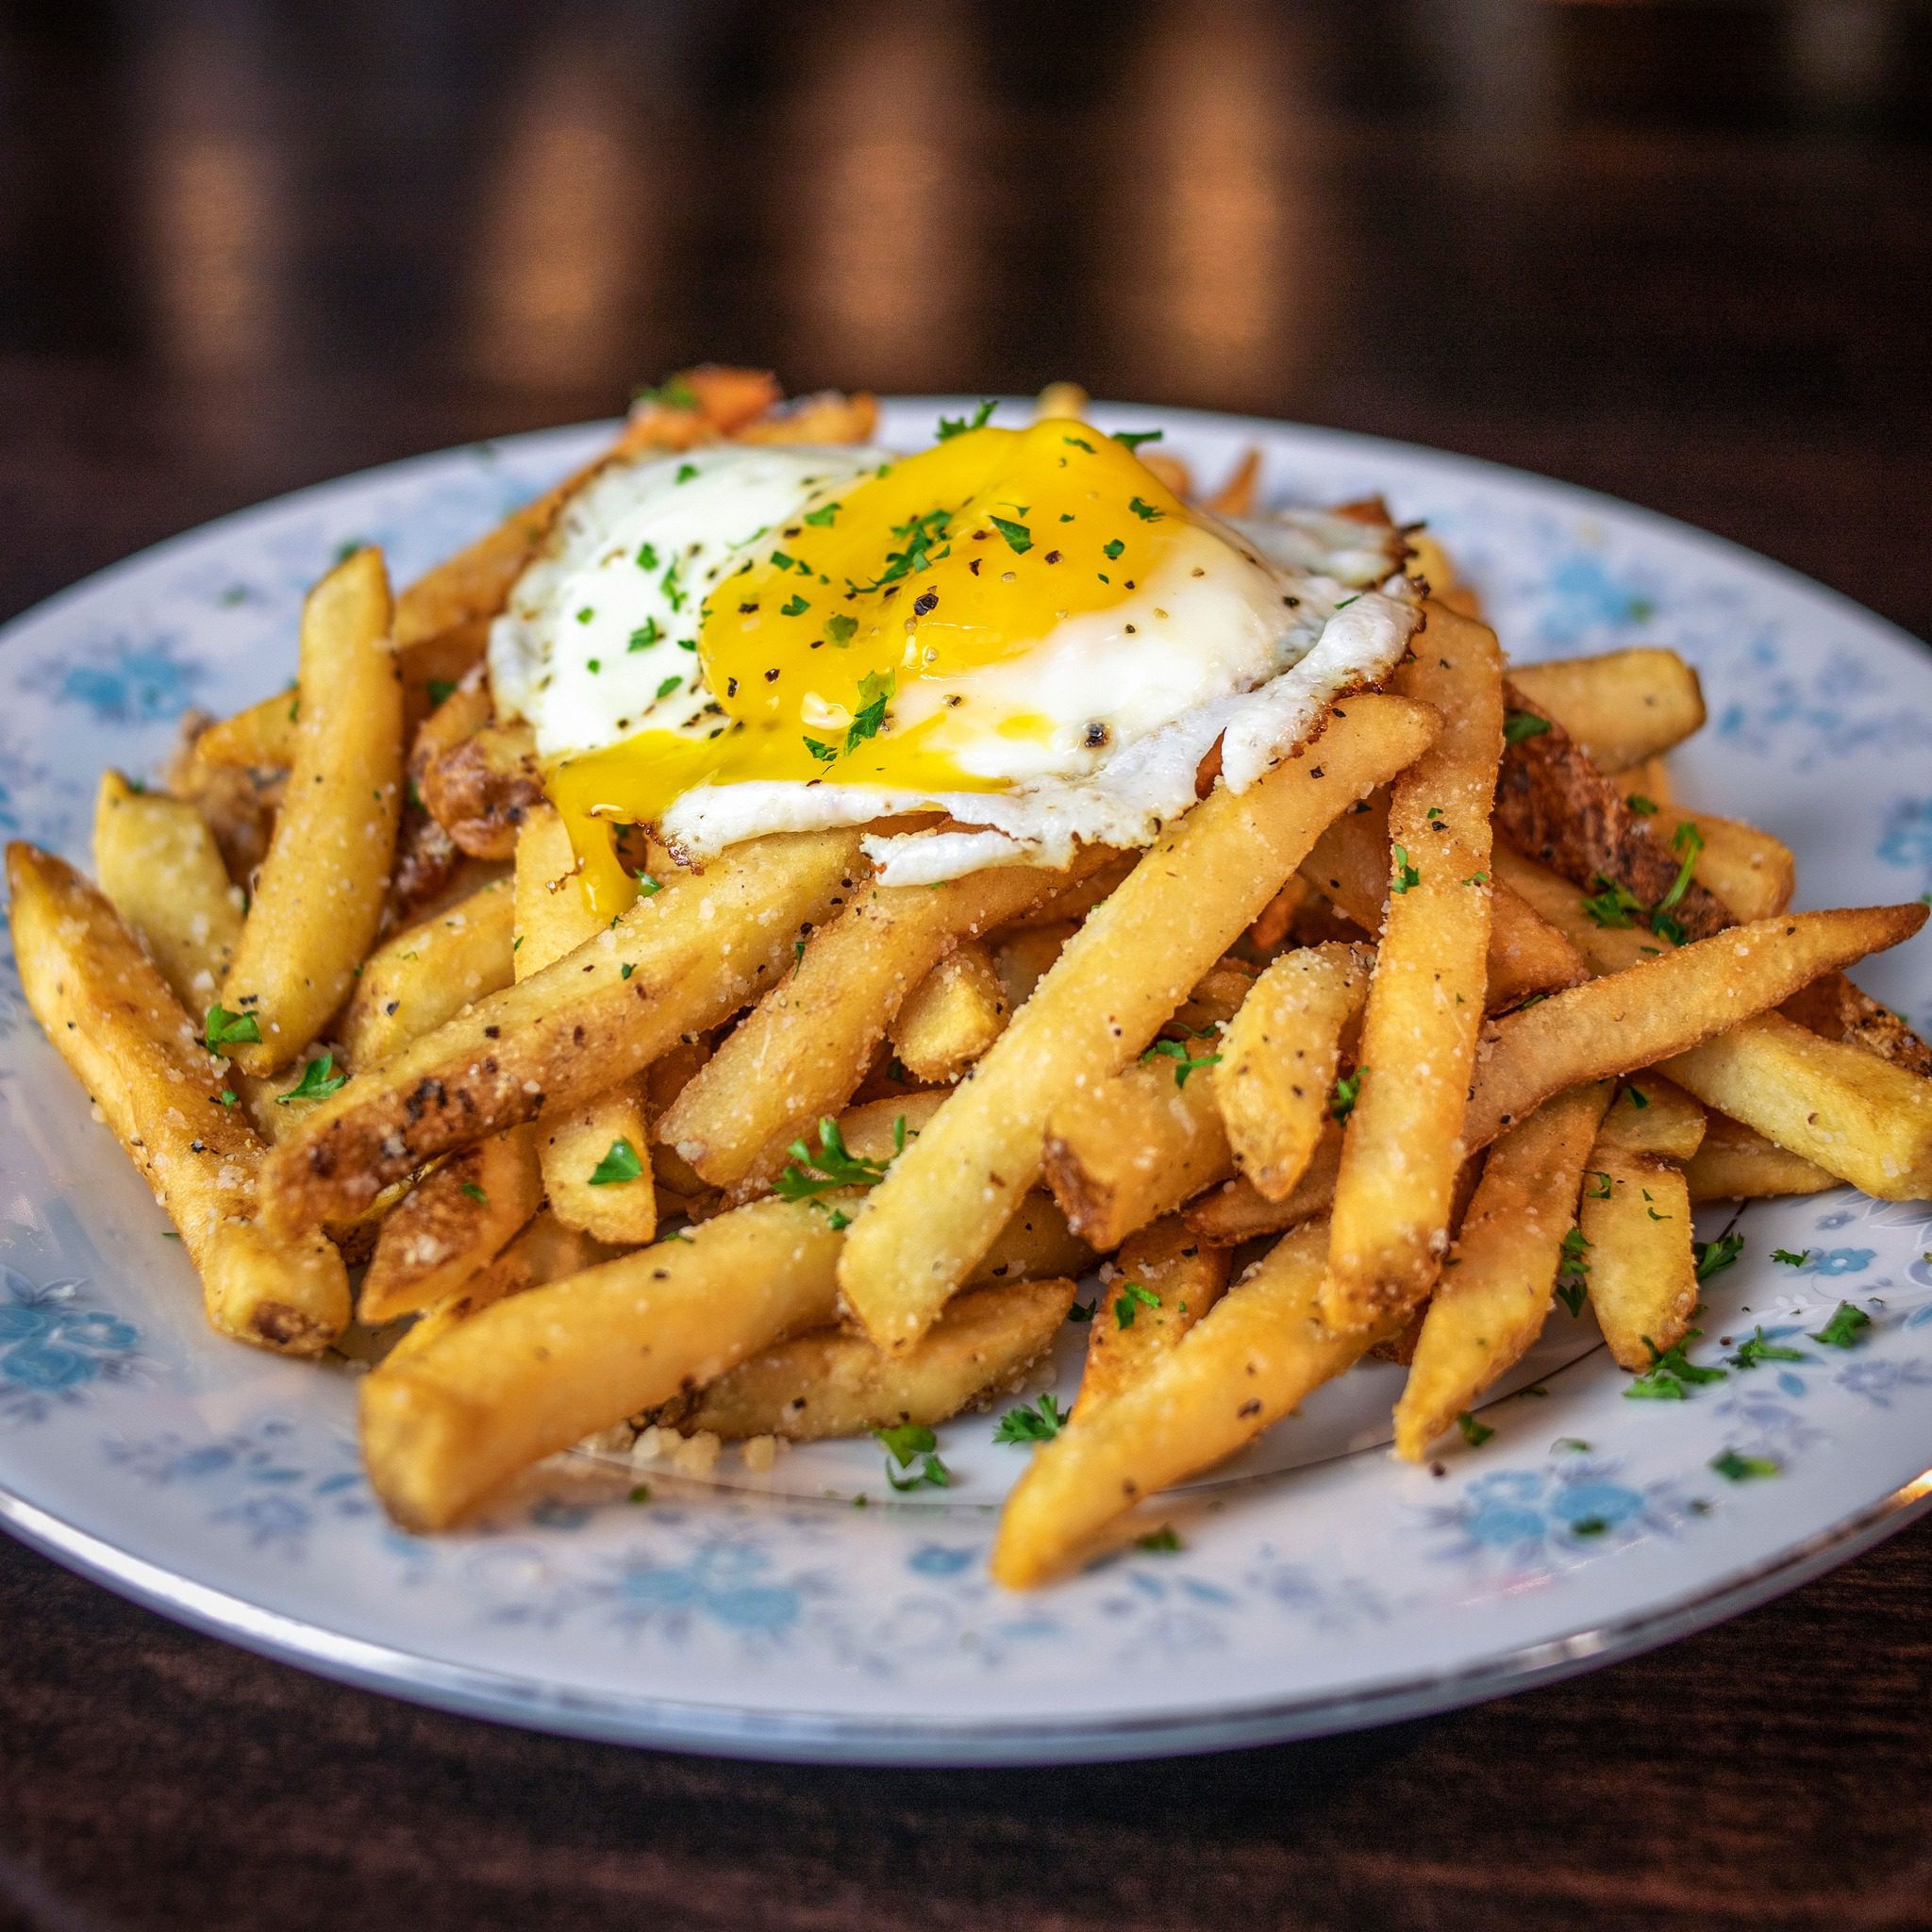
1682	252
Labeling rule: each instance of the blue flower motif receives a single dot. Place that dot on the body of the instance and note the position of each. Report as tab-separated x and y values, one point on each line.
51	1350
1839	1261
1528	1519
1584	596
940	1559
1907	838
129	681
1879	1381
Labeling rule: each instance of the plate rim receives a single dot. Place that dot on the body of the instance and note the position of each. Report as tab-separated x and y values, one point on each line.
805	1735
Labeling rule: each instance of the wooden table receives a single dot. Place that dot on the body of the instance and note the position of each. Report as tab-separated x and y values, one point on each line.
1683	255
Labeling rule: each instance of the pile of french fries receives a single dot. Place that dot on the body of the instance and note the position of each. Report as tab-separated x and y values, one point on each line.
1453	1010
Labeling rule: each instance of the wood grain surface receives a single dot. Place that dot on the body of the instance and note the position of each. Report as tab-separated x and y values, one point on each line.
1680	253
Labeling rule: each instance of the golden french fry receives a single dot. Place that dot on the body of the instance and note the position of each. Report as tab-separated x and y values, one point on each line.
318	895
1280	1058
1861	1118
805	1047
676	964
1260	1351
595	1155
952	1016
1127	1148
1061	400
1433	564
1121	975
1656	1012
534	1374
1024	957
1652	1115
113	1020
544	1251
1235	497
159	865
1635	1220
1737	1163
1164	1280
836	1383
429	972
1349	866
261	738
1239	1211
1403	1145
1624	706
1754	873
451	1223
1490	1306
482	787
1834	1008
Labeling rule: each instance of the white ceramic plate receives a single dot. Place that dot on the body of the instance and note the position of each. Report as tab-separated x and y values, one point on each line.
1319	1586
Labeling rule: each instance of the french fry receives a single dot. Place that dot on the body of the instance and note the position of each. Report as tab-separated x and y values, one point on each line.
1635	1220
1132	1146
1652	1115
159	865
319	897
1623	707
674	965
534	1374
1752	873
451	1223
544	1251
803	1052
1526	955
1239	1211
1120	976
1433	564
1861	1118
1059	401
952	1016
1834	1008
1258	1352
1024	957
1490	1306
836	1383
259	738
1165	1279
1403	1145
1280	1058
828	418
1235	497
421	976
114	1020
1737	1163
595	1155
1657	1013
482	787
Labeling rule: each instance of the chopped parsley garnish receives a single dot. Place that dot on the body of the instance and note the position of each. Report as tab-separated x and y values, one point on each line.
673	393
1159	1543
1846	1328
1032	1422
668	686
645	634
1079	442
809	1176
1644	807
1670	1370
825	754
1637	1097
1081	1311
647	888
1145	511
1405	874
1134	438
1131	1299
911	1442
1517	725
1185	1062
1735	1468
475	1193
619	1165
1348	1089
1347	601
794	606
1574	1445
951	427
1789	1259
222	1028
841	628
647	557
1758	1347
1112	548
685	472
675	594
641	1494
1019	538
585	613
1614	904
1689	841
228	1096
1593	1191
1713	1257
438	689
1572	1271
821	517
920	534
1475	1433
319	1080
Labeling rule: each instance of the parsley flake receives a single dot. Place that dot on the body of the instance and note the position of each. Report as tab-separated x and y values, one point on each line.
1133	439
1019	538
1846	1328
809	1177
1185	1062
839	629
1713	1257
1644	807
794	606
1145	511
1032	1422
1735	1468
222	1028
318	1081
904	1445
475	1193
1758	1347
1789	1259
951	427
1405	874
1348	1089
1517	725
619	1165
1132	1298
1161	1542
1475	1433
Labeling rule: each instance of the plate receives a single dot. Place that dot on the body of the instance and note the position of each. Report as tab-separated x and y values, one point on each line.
809	1613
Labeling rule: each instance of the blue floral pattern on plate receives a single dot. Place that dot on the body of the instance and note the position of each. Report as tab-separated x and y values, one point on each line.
775	1617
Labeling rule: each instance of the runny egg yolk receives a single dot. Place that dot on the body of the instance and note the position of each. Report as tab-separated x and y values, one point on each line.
861	645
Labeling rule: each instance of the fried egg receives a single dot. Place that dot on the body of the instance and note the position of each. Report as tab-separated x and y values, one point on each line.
1023	630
